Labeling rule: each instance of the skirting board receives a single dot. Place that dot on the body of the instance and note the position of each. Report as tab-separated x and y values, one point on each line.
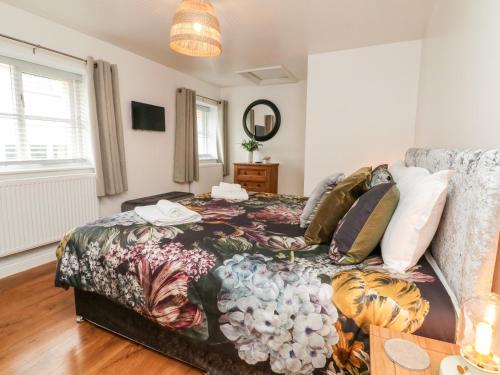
15	263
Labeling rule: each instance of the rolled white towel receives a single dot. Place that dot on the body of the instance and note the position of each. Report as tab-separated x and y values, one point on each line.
224	186
151	214
240	195
167	213
172	209
177	212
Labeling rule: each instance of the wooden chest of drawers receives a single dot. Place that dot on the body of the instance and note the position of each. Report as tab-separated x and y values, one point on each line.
257	177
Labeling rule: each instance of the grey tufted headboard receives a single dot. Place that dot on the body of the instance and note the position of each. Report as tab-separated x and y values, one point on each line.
466	243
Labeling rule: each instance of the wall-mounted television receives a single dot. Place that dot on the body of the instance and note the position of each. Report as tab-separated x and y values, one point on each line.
148	117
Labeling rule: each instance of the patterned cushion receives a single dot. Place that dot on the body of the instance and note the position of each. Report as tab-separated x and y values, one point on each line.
319	193
381	175
362	227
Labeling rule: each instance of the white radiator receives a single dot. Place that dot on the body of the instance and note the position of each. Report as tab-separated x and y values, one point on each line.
39	211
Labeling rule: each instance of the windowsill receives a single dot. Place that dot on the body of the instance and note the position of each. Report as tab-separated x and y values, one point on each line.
4	173
207	162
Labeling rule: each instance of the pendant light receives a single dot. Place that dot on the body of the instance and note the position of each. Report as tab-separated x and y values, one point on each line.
195	30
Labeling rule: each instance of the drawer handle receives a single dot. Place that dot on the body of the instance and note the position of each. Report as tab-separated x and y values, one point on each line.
258	185
245	172
258	173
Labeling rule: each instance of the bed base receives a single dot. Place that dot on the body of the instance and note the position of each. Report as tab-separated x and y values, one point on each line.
126	323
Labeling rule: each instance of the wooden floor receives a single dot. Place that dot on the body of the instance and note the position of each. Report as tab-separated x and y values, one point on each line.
39	335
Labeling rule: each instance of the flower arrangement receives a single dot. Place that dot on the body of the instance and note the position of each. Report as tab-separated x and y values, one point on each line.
251	145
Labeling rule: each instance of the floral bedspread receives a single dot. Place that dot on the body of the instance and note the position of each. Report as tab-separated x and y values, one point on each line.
230	279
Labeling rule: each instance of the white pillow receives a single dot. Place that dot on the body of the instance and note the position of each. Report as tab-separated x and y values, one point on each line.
407	177
415	221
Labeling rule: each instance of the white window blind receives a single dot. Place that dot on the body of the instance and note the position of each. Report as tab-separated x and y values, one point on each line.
207	132
43	119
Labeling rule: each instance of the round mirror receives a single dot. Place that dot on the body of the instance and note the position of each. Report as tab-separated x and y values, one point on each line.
261	120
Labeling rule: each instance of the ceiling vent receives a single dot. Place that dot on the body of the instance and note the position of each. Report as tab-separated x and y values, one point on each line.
270	75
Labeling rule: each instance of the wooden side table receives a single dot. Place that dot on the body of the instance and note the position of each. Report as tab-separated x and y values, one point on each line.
381	365
257	177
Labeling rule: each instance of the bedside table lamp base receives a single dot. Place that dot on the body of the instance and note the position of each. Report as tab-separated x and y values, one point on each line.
449	365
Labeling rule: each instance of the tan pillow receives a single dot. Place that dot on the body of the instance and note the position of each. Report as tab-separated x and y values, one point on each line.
335	205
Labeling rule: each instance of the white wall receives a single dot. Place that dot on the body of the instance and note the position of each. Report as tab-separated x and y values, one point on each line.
459	99
361	106
149	155
287	146
210	175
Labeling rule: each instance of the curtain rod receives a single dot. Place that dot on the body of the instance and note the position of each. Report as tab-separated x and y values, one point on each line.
206	97
35	46
218	101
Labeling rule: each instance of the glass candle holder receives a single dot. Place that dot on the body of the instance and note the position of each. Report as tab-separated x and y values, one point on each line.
478	332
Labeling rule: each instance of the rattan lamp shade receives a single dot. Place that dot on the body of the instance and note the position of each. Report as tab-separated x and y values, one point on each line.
195	30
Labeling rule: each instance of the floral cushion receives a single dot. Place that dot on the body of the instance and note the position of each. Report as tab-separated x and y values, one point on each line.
381	175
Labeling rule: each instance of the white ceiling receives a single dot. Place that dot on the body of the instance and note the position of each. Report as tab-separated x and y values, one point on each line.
255	33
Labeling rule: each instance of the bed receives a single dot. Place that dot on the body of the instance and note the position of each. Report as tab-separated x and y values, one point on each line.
241	292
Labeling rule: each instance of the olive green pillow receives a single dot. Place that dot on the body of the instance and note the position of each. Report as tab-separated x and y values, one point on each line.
363	226
335	206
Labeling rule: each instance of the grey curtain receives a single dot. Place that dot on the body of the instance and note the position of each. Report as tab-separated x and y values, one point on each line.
186	163
106	127
223	137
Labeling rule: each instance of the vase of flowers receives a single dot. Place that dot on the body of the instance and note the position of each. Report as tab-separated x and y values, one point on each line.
251	145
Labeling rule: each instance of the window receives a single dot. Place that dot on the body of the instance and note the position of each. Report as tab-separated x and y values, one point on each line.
207	132
42	119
